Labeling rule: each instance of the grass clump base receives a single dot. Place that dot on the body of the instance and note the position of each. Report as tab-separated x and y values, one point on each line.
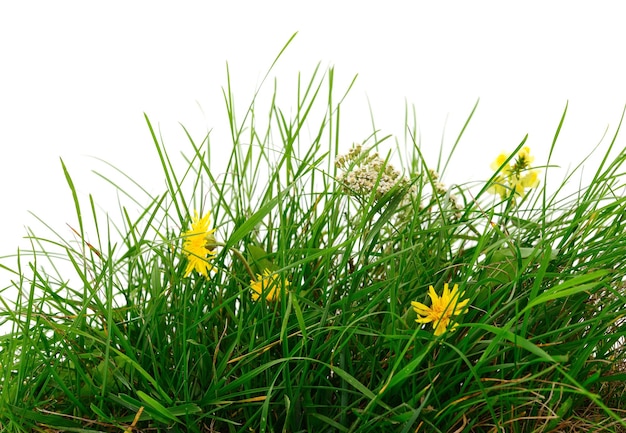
302	302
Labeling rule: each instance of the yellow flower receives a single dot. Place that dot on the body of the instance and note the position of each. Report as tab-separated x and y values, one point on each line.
199	245
514	178
442	308
499	187
520	183
268	285
524	159
499	161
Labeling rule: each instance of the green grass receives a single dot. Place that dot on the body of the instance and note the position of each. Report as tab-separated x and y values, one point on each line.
110	335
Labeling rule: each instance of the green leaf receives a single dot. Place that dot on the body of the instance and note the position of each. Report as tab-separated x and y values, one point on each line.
517	340
259	259
157	408
254	219
354	382
570	287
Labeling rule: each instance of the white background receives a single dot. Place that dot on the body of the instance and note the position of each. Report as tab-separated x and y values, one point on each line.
76	78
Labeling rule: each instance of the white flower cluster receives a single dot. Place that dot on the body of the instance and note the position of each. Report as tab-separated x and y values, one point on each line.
364	172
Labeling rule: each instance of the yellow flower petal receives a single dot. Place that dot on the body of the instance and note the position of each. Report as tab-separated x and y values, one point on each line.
195	246
419	307
499	161
530	179
433	295
268	285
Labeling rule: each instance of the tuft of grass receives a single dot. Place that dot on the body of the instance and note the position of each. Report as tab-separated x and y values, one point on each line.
111	334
